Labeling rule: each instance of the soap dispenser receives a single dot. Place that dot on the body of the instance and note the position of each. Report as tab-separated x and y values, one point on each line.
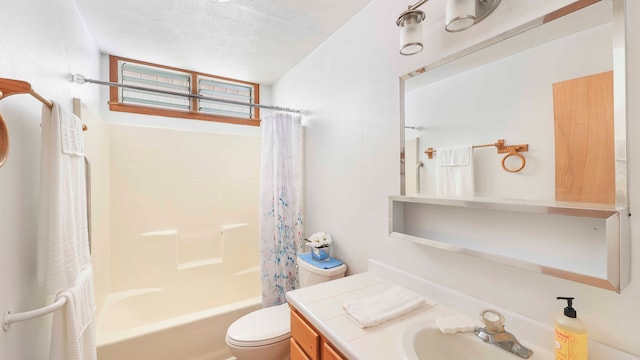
571	334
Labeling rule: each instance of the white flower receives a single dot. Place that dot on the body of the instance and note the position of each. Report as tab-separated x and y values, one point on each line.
320	239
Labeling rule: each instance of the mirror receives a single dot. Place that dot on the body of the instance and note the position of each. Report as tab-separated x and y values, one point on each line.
520	87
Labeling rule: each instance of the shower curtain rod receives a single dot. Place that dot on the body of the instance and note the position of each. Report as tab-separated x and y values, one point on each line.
80	79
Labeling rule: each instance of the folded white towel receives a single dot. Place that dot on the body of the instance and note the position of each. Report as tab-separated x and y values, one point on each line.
71	134
382	307
63	247
455	171
73	327
454	156
455	324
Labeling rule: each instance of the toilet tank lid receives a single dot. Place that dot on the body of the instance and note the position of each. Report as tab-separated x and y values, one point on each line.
340	269
261	327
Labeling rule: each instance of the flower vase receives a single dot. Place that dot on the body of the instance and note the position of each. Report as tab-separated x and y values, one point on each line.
322	253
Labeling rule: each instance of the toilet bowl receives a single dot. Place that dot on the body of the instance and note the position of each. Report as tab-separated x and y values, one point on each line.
261	335
264	334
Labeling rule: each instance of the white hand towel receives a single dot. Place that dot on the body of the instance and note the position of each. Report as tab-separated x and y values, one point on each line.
455	324
382	307
73	327
455	171
71	135
63	247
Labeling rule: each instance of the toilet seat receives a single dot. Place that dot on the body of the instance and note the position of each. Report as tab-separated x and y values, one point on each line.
262	327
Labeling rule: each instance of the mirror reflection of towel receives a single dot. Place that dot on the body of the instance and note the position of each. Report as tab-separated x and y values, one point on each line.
455	171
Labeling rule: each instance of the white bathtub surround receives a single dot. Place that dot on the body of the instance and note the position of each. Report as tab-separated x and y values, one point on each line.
322	306
173	192
205	308
184	206
197	335
280	205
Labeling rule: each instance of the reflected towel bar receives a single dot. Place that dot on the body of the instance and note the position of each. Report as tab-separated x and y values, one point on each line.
10	318
511	150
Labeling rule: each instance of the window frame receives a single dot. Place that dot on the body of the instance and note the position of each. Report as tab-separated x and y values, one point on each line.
193	113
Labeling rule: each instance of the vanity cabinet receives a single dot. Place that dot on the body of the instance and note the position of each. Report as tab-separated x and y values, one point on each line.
307	343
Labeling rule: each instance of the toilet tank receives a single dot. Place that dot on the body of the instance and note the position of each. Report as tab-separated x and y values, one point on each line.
311	275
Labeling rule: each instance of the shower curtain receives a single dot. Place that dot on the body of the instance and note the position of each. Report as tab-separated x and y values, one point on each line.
280	205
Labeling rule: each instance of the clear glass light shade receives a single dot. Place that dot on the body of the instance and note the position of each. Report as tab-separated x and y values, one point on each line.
460	15
411	33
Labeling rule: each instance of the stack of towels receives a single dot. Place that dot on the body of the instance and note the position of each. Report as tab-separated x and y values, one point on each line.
64	262
396	302
385	306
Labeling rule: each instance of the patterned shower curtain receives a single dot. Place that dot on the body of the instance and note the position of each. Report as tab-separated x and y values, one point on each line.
280	205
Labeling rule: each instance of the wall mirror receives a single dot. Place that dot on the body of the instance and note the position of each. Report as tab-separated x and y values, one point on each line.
528	87
540	114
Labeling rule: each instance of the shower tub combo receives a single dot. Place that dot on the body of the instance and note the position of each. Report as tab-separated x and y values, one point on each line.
186	320
177	261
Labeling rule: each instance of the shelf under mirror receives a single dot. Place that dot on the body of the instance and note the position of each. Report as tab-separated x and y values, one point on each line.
588	244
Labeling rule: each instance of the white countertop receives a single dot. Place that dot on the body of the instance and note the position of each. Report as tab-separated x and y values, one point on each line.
322	306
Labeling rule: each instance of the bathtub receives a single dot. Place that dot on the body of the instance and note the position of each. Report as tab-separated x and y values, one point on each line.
174	323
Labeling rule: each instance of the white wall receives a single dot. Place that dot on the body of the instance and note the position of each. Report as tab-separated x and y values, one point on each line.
42	42
350	87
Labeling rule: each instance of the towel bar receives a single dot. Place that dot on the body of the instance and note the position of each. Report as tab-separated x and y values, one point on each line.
10	318
512	150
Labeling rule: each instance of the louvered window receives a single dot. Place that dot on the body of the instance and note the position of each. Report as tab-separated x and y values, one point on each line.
169	82
236	92
156	79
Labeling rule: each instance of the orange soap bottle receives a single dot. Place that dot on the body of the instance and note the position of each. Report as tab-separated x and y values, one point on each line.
571	334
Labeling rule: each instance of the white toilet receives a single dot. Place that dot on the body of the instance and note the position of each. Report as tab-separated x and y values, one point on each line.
264	334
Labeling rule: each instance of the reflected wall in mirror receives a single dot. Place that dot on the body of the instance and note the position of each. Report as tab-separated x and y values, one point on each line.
522	88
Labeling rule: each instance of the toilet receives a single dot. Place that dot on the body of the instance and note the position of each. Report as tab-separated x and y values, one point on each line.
264	334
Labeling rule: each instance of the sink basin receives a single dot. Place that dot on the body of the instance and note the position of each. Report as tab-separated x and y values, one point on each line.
422	341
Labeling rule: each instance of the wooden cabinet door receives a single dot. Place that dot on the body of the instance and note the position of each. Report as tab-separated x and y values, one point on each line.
584	139
305	336
328	353
296	351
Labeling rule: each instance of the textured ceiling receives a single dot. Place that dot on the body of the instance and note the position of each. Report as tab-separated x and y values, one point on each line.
254	40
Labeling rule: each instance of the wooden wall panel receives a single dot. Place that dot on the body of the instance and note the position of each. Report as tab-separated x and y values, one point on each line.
584	139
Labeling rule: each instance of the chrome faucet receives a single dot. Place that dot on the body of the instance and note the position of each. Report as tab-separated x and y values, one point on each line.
494	333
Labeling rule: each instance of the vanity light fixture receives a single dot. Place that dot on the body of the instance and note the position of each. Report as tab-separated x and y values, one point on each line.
463	14
459	15
410	23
